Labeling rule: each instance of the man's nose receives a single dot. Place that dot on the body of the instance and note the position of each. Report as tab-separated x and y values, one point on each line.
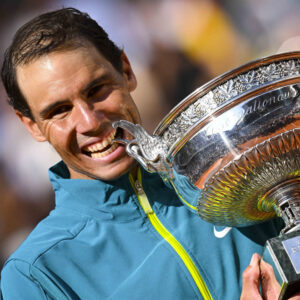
86	118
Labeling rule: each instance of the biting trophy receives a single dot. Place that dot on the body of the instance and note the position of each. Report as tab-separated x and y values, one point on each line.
231	151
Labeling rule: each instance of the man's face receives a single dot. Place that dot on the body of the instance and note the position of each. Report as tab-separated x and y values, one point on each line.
75	96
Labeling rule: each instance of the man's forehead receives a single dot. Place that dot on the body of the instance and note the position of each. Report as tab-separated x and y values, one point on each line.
86	48
61	62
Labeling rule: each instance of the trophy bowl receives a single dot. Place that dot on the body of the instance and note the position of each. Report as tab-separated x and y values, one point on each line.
231	151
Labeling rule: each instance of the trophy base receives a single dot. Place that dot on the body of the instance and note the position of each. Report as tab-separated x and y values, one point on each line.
283	254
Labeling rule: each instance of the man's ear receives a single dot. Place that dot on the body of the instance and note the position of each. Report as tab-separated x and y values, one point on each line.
32	127
128	73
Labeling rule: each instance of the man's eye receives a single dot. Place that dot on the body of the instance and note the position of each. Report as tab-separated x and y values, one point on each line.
59	110
94	90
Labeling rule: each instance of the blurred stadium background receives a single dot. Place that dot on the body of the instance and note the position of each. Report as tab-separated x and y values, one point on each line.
174	46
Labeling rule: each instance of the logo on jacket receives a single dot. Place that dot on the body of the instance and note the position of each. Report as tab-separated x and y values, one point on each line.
221	233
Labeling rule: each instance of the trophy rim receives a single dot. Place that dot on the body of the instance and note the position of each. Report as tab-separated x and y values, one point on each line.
221	79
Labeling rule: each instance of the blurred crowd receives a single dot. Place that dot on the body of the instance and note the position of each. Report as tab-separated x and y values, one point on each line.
174	46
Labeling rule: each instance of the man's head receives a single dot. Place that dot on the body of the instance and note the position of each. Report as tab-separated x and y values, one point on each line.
68	83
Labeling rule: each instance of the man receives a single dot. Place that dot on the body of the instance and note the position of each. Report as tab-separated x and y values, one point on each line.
117	232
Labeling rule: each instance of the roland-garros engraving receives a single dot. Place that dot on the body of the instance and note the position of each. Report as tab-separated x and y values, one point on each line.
260	105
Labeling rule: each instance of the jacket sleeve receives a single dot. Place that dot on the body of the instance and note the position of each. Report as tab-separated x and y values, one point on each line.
16	283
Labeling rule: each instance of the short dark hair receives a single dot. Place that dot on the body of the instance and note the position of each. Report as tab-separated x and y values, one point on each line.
53	31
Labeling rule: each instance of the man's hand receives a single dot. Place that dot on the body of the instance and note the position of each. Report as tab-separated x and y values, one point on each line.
261	271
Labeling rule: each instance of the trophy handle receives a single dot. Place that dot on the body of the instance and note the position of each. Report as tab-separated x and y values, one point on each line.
148	150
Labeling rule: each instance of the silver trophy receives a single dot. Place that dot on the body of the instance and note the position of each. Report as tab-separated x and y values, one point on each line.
231	151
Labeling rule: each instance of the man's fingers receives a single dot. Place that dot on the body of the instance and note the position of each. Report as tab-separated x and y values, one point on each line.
261	272
270	286
251	277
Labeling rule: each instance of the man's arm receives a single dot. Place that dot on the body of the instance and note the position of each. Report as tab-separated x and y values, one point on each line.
16	283
260	271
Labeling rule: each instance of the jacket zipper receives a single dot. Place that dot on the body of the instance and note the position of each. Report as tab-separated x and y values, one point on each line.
161	229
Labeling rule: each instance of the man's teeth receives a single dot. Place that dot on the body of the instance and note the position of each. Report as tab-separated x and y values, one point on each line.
104	153
95	148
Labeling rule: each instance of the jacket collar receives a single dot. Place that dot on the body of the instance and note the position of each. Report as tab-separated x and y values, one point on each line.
108	199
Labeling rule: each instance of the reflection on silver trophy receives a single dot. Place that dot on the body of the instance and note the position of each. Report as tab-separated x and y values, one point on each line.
231	150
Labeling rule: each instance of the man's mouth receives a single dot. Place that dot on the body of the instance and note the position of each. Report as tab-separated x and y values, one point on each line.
104	147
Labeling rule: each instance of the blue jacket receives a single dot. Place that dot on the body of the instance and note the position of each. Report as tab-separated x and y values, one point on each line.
128	240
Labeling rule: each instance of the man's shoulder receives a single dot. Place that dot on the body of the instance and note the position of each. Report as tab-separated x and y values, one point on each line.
50	232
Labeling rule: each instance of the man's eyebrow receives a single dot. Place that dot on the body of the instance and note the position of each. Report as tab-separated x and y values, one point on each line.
50	107
98	80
